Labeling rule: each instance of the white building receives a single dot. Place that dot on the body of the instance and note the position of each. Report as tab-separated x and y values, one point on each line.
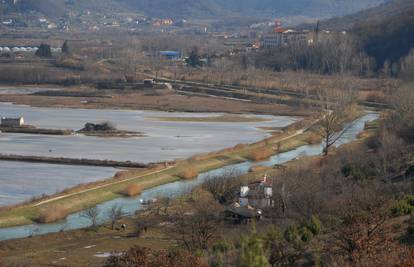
12	122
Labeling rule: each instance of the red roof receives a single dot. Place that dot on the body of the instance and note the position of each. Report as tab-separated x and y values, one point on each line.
279	30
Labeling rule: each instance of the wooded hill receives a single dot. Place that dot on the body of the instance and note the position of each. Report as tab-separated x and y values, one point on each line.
198	8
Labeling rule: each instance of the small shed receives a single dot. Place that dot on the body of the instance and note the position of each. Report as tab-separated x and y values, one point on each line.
12	122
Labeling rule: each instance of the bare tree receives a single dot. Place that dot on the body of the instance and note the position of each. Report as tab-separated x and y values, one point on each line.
330	124
115	214
92	215
195	229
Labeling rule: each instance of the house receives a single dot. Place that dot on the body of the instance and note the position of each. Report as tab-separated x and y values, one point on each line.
12	122
258	194
253	198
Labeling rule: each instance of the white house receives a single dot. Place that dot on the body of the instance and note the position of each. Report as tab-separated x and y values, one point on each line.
12	122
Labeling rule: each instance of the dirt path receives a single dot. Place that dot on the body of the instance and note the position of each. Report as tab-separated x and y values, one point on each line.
101	186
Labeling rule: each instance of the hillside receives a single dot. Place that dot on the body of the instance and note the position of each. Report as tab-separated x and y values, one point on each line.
385	33
390	39
217	9
376	14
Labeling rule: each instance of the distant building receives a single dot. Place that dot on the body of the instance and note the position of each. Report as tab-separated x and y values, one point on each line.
12	122
163	22
170	55
281	38
257	194
254	197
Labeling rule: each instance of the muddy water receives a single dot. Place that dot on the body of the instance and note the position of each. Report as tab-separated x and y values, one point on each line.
131	205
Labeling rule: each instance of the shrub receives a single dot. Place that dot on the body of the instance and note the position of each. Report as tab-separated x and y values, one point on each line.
258	168
291	233
315	225
52	214
260	154
189	173
313	138
132	190
305	234
404	206
222	246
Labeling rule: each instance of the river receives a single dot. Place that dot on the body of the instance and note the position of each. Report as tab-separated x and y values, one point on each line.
131	205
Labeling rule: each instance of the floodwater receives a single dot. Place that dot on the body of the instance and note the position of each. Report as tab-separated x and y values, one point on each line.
21	181
131	205
163	140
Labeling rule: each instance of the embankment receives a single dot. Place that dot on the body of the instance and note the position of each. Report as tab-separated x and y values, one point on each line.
27	130
72	161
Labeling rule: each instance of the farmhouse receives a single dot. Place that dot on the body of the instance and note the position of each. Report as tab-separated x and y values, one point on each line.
257	194
12	122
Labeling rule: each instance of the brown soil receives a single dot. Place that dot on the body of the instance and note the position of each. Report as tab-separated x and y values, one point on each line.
167	102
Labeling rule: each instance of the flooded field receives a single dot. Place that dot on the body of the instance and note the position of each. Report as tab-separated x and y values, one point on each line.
131	205
164	140
20	181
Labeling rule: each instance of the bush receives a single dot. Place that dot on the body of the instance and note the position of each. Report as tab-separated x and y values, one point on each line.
132	190
404	206
222	246
189	173
313	139
260	154
305	234
52	214
291	233
315	225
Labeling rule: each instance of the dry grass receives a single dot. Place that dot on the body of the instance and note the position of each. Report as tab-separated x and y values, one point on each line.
259	168
313	138
132	190
52	214
260	154
189	173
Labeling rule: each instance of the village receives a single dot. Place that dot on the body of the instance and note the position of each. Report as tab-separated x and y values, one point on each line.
206	133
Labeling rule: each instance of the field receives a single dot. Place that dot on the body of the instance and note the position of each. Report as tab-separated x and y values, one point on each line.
165	102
